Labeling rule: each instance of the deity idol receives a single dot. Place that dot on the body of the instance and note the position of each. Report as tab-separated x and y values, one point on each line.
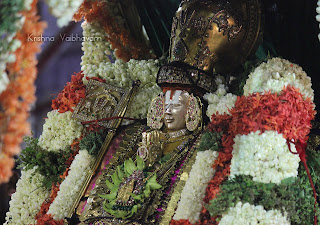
143	181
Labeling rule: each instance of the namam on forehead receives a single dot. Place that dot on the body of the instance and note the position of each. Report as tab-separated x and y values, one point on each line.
176	107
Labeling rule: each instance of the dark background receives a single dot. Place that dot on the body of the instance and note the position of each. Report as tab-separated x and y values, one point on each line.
290	29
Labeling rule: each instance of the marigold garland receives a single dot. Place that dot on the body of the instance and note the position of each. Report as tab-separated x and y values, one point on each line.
70	96
125	46
16	99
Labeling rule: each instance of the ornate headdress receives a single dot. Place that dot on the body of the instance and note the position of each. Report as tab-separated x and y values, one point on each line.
208	37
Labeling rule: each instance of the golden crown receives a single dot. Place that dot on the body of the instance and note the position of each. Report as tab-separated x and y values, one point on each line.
213	36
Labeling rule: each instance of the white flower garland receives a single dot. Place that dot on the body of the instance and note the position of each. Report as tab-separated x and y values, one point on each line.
122	74
96	63
26	201
95	51
140	103
221	101
249	214
275	75
59	131
64	10
190	204
265	157
71	185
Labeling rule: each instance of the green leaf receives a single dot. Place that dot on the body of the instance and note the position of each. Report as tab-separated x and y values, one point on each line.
115	179
124	214
152	183
147	191
134	209
111	196
137	197
289	180
112	187
108	209
120	172
129	167
140	163
49	164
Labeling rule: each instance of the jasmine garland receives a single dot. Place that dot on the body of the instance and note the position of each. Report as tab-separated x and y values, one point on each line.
221	101
277	73
26	201
94	52
71	185
59	131
264	156
190	204
251	214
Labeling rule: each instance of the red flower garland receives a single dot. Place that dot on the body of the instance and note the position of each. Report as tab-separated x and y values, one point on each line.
180	222
71	95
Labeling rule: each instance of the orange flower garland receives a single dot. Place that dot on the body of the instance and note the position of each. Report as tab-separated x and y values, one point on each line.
125	46
70	96
16	99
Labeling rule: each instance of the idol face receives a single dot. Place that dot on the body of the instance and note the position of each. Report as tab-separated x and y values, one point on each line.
176	110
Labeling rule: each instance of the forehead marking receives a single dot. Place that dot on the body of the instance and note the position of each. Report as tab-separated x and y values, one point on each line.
175	99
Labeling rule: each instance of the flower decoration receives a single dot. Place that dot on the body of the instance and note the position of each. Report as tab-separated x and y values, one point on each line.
11	22
64	10
119	202
42	217
265	121
71	185
18	59
287	113
276	74
59	131
6	164
122	74
190	204
221	101
70	96
250	214
26	201
108	15
264	156
94	52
